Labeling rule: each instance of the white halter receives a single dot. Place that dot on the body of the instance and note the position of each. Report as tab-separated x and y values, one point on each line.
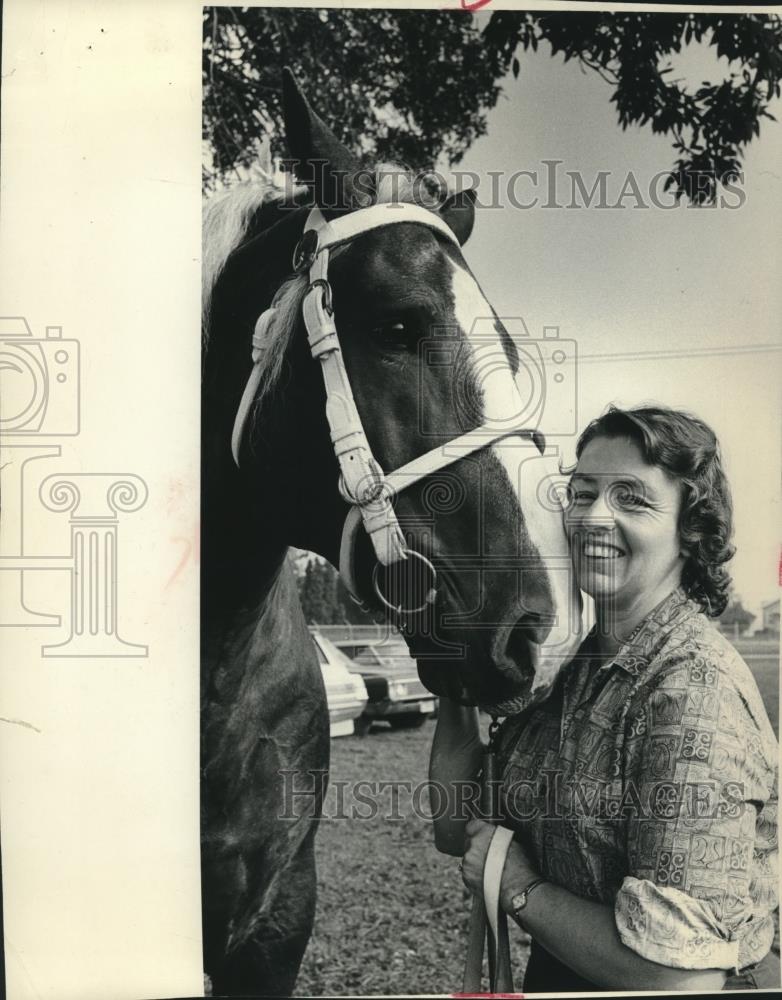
363	484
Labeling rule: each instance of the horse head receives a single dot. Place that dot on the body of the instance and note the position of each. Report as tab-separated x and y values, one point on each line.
481	577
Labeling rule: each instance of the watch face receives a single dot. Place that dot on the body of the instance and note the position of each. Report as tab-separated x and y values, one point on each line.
519	901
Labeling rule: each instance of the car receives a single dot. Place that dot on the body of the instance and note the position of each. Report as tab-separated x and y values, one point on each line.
396	693
346	692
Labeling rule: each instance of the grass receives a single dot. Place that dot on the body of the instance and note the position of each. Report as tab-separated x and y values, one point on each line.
392	912
762	657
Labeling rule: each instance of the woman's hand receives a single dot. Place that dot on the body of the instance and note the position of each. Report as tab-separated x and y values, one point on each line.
477	837
454	765
516	875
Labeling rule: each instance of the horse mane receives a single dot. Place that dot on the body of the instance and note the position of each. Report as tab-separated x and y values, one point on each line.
227	218
225	221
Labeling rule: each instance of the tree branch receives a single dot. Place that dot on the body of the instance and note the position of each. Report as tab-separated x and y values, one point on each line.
601	71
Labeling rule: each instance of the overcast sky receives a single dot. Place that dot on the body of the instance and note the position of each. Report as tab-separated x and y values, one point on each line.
681	307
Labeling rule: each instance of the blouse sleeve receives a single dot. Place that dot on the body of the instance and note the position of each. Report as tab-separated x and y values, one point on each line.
701	840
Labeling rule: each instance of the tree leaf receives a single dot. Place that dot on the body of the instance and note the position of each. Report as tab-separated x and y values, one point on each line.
381	107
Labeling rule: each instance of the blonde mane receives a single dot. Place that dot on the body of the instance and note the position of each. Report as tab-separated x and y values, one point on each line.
226	218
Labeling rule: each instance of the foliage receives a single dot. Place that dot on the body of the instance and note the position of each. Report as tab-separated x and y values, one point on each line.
323	595
403	94
408	86
632	52
318	594
736	617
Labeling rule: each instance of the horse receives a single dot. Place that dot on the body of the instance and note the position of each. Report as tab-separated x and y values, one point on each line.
353	289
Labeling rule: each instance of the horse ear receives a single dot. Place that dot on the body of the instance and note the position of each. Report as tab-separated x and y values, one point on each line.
325	165
459	212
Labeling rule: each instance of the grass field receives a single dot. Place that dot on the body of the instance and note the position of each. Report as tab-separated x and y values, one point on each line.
392	913
762	658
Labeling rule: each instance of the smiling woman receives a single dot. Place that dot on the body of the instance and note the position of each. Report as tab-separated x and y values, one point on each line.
651	480
622	528
643	790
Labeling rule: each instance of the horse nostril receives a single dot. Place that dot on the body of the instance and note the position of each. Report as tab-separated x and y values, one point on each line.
532	627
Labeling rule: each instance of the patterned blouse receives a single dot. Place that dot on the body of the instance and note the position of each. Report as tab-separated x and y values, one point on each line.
649	783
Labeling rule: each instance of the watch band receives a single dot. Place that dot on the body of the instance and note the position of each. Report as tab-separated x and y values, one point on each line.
520	900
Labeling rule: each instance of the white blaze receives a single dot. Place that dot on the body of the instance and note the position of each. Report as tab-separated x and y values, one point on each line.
532	475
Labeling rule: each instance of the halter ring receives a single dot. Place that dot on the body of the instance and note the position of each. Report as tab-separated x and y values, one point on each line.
431	593
306	251
326	300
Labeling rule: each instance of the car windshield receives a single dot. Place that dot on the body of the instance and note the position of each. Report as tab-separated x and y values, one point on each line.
389	654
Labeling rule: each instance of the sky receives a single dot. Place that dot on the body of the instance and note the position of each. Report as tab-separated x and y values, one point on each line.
681	307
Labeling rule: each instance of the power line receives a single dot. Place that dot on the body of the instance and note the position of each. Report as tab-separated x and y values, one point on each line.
698	352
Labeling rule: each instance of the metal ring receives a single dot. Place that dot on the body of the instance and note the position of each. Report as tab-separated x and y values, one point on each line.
326	300
431	594
306	251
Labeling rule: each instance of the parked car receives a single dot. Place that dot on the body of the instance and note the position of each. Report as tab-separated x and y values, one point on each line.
396	693
346	692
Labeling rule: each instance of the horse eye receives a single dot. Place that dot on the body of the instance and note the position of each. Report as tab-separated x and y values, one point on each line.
394	335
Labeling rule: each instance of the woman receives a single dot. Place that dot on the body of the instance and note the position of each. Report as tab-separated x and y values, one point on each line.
643	789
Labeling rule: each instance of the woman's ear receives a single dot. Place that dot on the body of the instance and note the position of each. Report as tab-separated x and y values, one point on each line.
458	212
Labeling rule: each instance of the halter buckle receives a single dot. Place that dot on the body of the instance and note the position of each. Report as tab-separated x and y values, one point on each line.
370	488
306	251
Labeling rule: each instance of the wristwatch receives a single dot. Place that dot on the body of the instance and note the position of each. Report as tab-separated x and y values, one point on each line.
519	901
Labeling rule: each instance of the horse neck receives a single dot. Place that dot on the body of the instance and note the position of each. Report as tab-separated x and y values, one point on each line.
261	681
288	484
242	564
245	585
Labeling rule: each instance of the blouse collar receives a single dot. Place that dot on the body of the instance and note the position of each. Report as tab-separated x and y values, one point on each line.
651	634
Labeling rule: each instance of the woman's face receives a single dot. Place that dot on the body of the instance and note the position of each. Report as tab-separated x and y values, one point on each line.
623	526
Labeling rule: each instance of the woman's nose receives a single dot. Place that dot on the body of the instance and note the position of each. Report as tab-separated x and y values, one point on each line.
600	511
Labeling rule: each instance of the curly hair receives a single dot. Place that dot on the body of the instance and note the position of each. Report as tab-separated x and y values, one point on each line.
687	449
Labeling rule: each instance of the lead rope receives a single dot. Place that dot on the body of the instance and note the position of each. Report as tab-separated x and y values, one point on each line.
487	918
